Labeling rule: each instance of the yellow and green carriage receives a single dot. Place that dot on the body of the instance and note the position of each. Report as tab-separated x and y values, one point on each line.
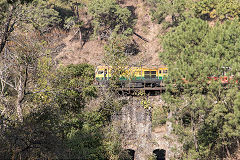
134	77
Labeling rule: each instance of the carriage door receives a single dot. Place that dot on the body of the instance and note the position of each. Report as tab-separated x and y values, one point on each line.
105	74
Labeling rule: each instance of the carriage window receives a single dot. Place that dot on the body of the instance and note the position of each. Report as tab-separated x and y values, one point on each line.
160	71
153	74
164	71
150	74
146	74
100	72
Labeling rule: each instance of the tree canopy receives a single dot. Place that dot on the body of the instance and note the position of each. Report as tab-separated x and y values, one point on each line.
109	17
54	111
194	52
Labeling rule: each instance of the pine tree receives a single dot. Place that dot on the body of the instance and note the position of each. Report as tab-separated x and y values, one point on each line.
110	18
202	107
175	9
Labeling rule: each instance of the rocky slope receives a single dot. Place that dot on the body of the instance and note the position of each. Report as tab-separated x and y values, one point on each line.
146	38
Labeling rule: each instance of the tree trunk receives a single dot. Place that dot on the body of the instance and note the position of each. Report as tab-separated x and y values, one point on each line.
75	9
8	28
194	134
80	37
2	100
228	152
19	101
195	139
169	123
21	93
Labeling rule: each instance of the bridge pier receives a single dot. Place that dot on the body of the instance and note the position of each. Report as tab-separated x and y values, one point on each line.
136	129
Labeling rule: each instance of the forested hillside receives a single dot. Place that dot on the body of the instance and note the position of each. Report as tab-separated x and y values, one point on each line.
50	107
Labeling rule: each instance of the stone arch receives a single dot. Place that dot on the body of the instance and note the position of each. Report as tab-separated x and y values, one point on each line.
127	154
160	154
131	152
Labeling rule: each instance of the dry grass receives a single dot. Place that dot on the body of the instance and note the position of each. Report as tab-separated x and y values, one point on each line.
160	129
93	52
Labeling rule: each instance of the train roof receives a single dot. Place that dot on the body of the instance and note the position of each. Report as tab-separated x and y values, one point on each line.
145	67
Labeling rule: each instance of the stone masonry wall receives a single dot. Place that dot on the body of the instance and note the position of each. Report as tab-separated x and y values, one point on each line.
136	129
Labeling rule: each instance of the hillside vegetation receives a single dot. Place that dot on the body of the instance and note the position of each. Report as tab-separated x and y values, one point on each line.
50	107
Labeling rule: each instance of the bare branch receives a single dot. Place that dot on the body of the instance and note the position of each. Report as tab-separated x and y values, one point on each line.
11	85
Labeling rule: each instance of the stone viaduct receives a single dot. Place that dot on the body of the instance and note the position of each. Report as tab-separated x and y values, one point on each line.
138	138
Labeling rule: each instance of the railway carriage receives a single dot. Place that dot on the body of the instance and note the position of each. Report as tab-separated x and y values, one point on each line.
134	77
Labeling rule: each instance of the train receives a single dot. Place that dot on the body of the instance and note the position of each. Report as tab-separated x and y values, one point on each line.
134	77
148	78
